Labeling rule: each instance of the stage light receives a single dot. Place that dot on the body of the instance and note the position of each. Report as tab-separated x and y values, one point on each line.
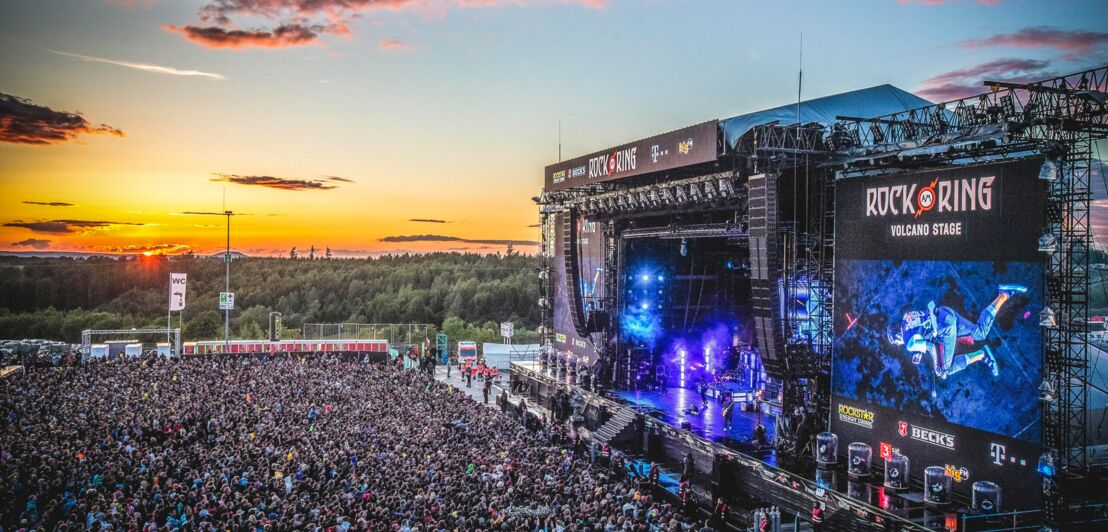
1046	318
680	194
710	190
1049	170
684	247
1047	464
1046	392
726	189
661	278
644	306
1048	243
694	191
646	278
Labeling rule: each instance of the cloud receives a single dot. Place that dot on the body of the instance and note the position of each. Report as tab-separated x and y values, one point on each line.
302	22
153	249
338	179
273	182
394	45
157	69
444	238
22	122
36	243
427	220
67	226
535	225
967	81
1044	37
283	36
49	203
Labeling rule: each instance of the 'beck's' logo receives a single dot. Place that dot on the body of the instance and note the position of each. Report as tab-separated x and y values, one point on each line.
903	428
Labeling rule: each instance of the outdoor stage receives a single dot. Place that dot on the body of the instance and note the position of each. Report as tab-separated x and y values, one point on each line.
672	408
728	465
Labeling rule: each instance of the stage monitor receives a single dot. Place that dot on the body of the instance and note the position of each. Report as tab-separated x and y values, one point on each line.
937	351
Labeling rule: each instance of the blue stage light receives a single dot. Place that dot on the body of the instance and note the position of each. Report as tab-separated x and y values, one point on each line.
661	278
644	306
646	278
1046	464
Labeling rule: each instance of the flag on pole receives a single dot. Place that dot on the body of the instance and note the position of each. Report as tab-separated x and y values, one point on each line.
177	283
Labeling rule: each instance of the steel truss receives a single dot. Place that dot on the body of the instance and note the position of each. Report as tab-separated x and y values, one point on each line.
1060	118
88	334
611	200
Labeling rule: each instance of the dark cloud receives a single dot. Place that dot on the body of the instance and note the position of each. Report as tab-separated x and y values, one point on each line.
427	220
66	226
337	178
273	182
49	203
535	225
444	238
282	36
967	81
153	249
22	122
36	243
308	19
1044	37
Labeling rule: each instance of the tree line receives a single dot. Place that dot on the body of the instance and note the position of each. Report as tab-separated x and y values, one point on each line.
464	294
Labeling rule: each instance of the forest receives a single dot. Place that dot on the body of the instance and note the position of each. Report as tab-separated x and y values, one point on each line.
465	295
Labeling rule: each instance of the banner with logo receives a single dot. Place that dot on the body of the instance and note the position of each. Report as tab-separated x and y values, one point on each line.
683	147
937	351
177	284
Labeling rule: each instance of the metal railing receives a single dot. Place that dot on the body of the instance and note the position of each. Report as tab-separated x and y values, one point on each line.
395	333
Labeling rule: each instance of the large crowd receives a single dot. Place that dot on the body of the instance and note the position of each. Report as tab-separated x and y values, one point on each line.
321	444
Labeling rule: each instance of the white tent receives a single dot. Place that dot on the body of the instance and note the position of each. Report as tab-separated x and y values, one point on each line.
502	355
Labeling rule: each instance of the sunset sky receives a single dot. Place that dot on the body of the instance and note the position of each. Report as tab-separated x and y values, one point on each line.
372	126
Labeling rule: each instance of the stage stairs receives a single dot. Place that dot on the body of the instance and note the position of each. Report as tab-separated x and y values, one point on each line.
620	421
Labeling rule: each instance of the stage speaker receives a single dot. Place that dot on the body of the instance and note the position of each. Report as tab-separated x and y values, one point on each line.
596	321
573	272
765	272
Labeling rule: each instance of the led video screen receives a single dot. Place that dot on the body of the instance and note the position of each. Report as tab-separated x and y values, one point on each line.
590	253
938	347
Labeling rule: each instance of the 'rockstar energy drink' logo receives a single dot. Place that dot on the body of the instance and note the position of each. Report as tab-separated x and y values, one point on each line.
856	416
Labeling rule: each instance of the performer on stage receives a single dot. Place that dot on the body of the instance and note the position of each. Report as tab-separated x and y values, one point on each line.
937	332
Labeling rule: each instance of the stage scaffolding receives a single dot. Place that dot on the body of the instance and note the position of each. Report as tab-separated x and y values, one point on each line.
397	334
88	335
1060	119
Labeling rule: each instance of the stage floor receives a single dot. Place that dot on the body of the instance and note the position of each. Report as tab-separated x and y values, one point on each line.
671	406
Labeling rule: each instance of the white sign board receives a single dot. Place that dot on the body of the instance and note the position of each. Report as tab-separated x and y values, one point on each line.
506	329
177	284
226	301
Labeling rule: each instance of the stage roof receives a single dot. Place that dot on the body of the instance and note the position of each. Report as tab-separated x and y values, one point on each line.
868	103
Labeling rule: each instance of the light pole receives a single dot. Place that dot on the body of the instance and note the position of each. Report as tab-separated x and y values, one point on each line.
227	263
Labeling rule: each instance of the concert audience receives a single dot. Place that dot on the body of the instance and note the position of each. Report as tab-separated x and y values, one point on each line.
287	443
